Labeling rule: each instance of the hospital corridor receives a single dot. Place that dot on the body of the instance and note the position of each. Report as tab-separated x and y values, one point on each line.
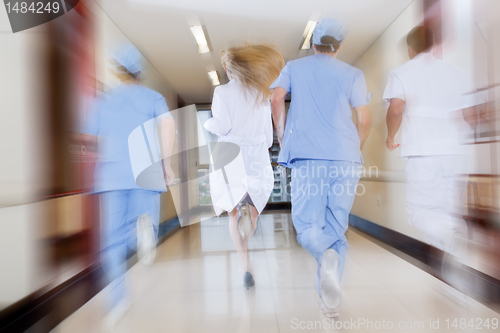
249	166
195	286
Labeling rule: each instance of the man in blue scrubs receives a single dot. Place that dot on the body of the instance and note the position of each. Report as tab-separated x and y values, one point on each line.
322	145
125	207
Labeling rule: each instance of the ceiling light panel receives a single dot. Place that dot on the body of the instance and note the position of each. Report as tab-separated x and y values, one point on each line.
214	78
200	35
306	37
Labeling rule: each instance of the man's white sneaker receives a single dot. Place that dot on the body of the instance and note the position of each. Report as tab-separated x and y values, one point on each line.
329	284
146	240
329	313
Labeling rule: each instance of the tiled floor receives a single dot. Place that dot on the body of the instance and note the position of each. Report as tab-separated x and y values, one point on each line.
196	285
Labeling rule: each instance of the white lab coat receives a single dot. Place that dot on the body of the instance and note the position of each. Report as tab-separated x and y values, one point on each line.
239	119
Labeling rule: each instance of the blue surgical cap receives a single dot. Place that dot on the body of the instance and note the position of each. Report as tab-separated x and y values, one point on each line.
129	57
328	27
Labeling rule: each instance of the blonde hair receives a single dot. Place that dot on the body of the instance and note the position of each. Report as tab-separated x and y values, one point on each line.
254	66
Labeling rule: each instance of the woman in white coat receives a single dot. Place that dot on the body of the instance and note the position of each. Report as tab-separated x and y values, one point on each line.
242	115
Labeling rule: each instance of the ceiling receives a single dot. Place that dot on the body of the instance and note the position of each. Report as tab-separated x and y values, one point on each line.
160	29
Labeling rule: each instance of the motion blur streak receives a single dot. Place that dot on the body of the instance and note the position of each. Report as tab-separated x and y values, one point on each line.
52	229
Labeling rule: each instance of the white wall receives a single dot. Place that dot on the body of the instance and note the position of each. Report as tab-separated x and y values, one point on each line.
23	169
22	163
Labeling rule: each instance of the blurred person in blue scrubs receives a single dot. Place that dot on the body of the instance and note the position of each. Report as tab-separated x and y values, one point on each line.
322	145
130	215
431	101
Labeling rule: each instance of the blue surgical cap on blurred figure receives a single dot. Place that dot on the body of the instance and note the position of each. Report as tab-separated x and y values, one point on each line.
328	27
129	57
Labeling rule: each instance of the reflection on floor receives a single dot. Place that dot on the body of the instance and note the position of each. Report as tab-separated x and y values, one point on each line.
196	285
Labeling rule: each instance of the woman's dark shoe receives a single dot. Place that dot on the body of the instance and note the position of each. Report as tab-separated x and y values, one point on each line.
248	280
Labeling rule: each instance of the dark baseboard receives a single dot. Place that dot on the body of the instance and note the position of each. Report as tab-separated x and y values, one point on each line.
167	229
479	285
43	310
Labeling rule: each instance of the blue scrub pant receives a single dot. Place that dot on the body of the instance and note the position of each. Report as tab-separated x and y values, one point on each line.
323	192
120	210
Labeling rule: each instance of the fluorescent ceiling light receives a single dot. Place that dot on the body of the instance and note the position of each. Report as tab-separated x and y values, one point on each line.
306	38
199	34
214	78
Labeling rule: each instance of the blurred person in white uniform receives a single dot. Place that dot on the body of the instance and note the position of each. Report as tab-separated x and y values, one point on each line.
430	99
242	115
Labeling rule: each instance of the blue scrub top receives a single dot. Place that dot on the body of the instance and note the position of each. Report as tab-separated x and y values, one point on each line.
319	123
112	117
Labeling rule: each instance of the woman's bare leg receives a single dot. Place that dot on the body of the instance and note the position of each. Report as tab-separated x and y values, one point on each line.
239	243
254	215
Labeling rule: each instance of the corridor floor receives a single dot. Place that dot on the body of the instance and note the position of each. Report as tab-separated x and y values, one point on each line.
196	285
